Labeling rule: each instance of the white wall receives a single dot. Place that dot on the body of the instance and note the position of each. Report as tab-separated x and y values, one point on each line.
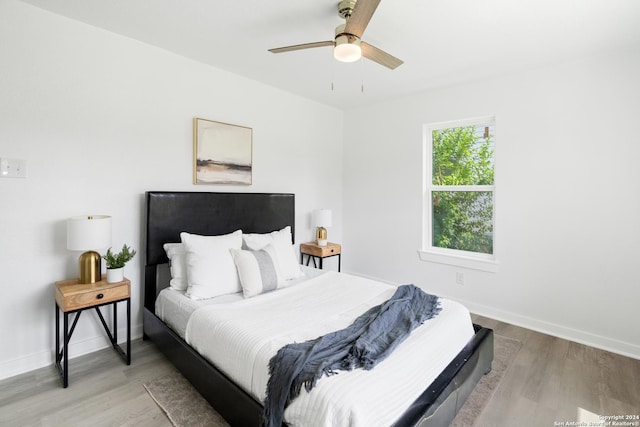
568	197
101	119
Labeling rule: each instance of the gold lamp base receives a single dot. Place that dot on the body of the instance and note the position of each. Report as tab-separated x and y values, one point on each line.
90	267
321	236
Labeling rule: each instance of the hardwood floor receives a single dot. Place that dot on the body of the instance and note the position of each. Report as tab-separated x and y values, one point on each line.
550	380
103	391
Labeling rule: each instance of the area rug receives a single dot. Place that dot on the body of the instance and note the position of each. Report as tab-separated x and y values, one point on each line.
185	407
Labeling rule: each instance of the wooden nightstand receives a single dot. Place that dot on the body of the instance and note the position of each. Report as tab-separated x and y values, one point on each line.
73	297
313	251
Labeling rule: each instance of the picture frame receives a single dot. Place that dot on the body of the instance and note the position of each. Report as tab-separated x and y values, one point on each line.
222	153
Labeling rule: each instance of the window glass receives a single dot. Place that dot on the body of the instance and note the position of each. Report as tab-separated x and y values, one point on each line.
460	190
463	155
463	220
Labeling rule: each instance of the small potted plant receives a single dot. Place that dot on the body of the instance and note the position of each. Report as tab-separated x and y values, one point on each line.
116	262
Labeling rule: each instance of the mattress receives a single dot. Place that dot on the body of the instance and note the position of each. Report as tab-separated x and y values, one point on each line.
174	308
241	336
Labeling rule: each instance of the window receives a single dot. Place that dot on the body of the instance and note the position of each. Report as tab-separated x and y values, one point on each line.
459	193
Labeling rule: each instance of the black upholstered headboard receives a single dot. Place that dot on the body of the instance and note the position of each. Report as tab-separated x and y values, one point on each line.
170	213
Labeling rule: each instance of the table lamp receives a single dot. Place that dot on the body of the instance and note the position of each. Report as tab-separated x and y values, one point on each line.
322	218
88	233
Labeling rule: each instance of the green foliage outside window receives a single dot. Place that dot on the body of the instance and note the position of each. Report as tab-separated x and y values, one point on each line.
463	217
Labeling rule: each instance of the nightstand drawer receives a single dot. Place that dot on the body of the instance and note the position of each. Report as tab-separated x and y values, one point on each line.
74	296
321	251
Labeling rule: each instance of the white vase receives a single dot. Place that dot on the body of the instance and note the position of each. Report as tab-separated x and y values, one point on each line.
115	275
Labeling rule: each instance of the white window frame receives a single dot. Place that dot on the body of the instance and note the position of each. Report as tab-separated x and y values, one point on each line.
428	252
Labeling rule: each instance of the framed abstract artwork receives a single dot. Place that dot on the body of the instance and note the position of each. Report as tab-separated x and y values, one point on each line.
222	153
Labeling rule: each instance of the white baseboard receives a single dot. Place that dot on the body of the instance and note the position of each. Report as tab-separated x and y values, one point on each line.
582	337
45	358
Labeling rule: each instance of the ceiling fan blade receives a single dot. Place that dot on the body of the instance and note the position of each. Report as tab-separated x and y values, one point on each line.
380	56
359	19
302	46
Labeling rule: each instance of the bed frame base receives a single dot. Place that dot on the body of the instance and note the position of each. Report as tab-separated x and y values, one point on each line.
235	406
436	407
439	404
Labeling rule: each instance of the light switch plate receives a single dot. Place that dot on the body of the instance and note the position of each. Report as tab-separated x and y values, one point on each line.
13	168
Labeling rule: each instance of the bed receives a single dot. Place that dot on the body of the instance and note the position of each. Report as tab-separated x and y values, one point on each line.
170	213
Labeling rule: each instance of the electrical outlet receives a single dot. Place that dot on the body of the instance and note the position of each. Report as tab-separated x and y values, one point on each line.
13	168
459	278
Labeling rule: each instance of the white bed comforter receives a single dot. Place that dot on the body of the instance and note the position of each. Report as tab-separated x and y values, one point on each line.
241	337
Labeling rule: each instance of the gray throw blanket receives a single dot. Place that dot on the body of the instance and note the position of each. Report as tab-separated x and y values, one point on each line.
363	344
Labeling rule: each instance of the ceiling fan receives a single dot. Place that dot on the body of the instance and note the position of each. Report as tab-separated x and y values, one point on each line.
348	46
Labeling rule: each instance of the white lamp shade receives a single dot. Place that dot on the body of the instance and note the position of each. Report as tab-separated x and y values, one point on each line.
88	232
346	51
322	218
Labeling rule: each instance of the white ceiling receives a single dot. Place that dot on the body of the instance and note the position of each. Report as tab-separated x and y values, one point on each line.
441	41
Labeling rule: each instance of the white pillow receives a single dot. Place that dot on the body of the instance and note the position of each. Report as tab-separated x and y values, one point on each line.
259	271
281	241
177	264
210	268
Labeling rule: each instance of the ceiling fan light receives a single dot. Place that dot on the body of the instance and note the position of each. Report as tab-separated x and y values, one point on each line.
345	51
